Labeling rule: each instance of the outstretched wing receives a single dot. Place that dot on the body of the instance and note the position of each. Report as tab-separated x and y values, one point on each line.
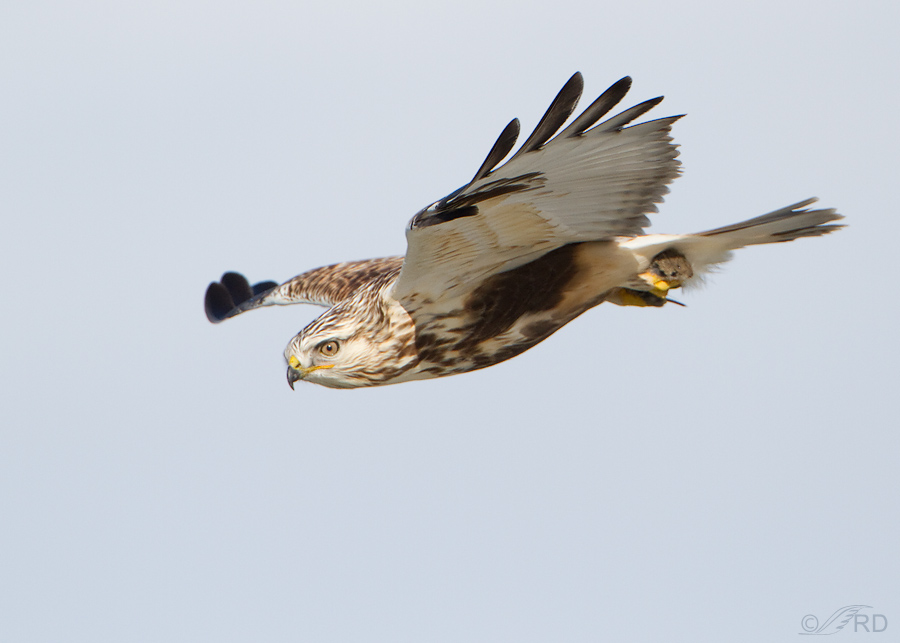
324	286
586	183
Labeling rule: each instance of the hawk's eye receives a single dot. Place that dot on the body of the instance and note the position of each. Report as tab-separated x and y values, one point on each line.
329	349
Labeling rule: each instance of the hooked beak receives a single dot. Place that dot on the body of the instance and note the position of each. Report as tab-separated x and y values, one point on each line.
296	370
293	375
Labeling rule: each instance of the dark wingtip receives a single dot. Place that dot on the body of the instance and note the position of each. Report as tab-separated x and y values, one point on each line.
264	286
238	287
502	147
218	303
230	296
557	114
599	108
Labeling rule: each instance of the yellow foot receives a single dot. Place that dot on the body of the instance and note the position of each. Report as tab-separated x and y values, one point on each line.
661	287
629	297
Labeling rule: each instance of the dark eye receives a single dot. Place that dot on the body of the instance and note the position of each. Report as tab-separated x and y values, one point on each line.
329	349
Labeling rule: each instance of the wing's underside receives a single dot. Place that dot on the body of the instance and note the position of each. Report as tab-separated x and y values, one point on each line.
589	182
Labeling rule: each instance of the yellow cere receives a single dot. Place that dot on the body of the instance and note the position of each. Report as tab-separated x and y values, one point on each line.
294	362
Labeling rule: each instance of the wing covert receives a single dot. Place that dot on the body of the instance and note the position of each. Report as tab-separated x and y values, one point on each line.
588	182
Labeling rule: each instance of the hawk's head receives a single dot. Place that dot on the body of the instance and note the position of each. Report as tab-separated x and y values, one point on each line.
362	341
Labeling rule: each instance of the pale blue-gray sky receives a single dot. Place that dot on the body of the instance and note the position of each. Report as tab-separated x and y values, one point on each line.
708	473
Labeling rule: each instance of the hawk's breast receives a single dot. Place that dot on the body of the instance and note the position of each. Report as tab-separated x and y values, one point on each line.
509	312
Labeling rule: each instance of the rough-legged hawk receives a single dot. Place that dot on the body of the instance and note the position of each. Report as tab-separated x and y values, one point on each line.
506	260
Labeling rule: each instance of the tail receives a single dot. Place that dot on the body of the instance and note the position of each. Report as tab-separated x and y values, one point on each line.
785	224
706	249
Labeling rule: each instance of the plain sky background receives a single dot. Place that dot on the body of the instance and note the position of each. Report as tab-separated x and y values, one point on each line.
709	473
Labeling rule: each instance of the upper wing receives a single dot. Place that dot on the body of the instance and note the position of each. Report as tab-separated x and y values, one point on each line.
587	183
324	286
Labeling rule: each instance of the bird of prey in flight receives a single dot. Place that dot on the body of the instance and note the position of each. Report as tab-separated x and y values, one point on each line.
511	257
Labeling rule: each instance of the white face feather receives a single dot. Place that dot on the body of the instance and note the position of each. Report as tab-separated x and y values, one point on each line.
330	359
363	341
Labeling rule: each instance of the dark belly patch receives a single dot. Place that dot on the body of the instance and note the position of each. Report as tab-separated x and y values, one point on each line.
509	313
501	300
